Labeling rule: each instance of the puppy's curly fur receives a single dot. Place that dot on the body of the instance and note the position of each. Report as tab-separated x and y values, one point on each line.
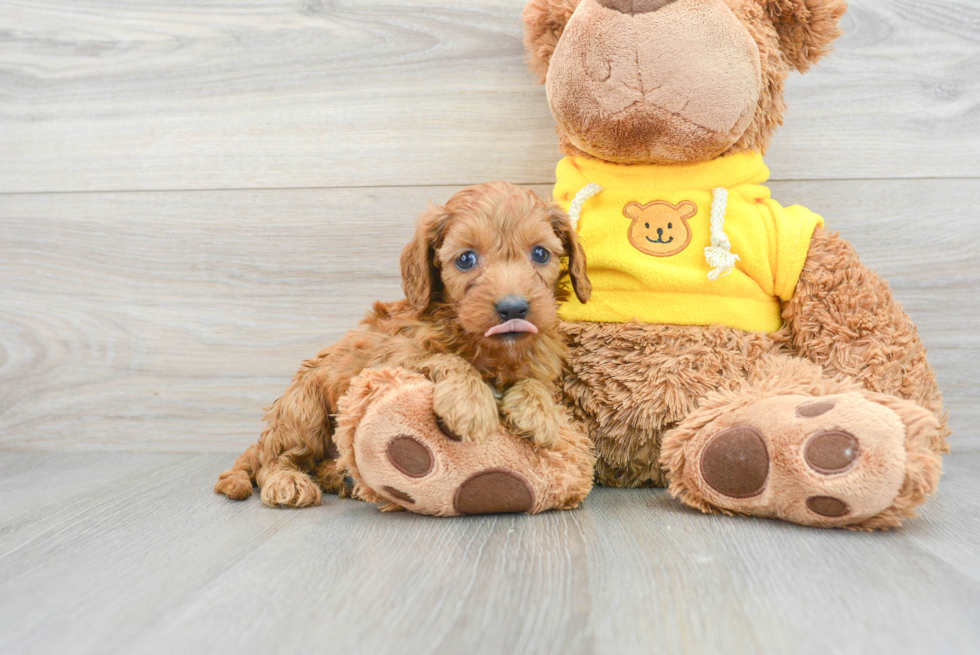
438	331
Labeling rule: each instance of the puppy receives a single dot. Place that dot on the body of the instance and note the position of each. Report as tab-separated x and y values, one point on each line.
483	277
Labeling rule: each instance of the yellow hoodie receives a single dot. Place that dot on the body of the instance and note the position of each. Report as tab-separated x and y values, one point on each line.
648	236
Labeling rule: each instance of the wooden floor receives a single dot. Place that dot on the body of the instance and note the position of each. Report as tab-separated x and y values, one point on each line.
125	553
195	195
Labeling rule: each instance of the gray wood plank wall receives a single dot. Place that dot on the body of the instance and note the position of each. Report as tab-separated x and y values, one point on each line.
196	196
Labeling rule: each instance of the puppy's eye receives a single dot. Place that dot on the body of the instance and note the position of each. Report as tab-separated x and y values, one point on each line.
670	226
540	255
648	225
466	261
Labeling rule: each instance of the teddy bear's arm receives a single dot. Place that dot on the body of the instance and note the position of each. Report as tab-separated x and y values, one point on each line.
843	316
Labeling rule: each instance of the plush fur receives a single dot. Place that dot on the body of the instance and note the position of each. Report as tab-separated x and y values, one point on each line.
386	402
438	332
650	396
788	34
914	466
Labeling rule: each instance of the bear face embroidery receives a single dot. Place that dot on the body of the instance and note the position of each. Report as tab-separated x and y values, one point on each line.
660	228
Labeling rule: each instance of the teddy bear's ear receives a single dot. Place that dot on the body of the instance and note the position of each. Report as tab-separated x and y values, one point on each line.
806	28
419	271
544	21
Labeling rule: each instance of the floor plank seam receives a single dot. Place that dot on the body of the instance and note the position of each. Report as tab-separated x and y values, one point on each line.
440	185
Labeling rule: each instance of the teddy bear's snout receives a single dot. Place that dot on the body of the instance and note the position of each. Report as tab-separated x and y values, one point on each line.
634	7
624	83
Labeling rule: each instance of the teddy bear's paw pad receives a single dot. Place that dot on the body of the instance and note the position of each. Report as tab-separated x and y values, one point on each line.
812	410
827	506
398	495
410	456
441	424
496	491
736	463
828	461
831	452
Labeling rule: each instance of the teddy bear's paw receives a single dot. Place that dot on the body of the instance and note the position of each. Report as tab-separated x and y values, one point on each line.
829	461
403	459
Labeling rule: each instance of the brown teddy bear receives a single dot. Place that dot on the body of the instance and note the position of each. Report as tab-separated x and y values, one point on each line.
732	348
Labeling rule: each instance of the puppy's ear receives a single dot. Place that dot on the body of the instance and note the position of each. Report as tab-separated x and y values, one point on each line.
573	250
544	21
420	273
806	28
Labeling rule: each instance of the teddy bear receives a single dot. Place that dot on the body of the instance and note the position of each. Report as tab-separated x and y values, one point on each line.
734	350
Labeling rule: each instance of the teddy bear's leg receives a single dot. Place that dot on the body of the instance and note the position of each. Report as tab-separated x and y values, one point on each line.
627	384
796	445
844	317
392	446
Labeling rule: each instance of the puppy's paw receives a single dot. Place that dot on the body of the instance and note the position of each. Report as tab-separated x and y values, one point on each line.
289	488
466	409
234	484
529	409
541	429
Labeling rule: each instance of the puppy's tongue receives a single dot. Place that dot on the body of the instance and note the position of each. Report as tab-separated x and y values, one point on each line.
513	325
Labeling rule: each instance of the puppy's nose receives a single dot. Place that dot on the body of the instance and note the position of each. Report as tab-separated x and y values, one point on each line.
634	7
660	231
512	306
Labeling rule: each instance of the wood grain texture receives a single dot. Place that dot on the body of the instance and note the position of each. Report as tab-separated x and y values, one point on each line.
166	321
135	320
132	553
119	95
